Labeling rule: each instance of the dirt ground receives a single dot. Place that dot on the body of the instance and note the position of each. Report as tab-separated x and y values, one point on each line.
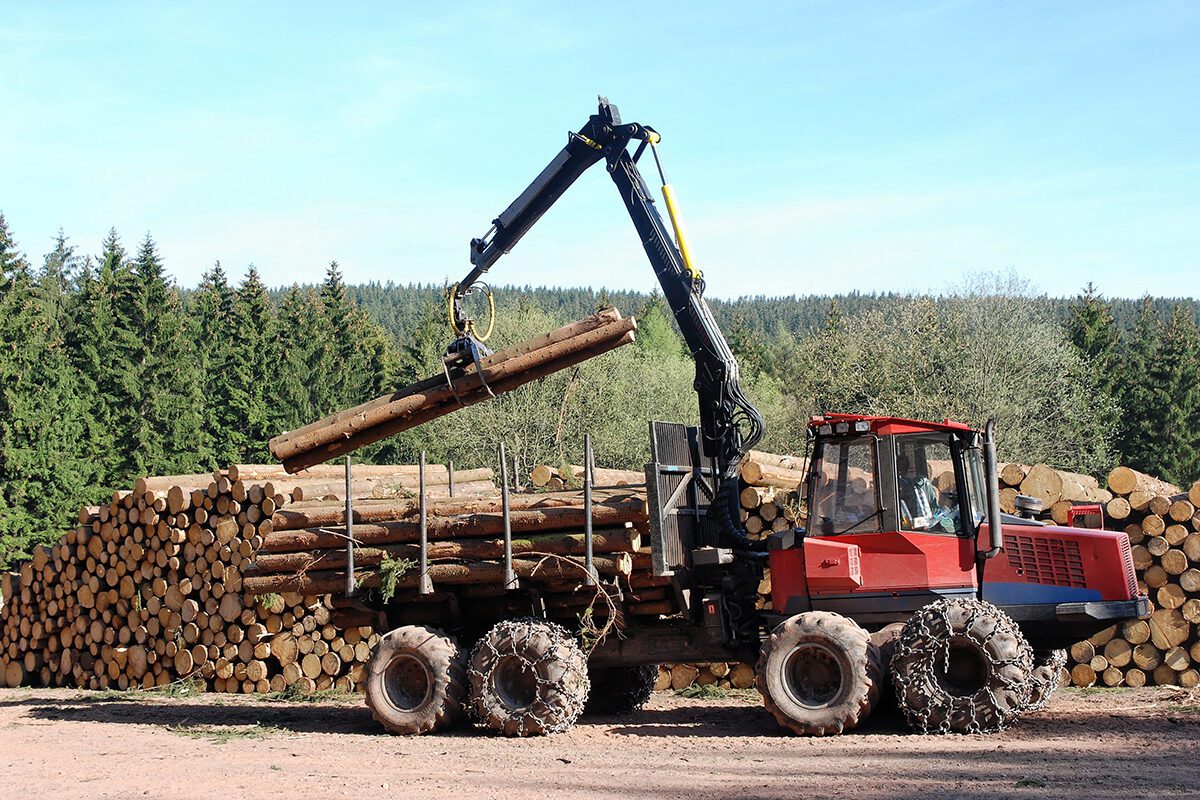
1088	743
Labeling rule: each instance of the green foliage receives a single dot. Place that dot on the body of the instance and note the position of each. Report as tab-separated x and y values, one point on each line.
1168	394
391	570
43	466
987	351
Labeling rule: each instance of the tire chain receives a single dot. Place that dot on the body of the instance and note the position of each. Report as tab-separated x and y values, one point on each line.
577	696
918	718
1044	684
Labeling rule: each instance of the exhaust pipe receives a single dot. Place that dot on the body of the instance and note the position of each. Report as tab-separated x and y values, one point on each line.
995	527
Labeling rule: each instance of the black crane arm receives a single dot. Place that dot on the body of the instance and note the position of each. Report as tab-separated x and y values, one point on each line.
729	423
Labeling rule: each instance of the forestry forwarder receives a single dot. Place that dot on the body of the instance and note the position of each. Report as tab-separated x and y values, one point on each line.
891	574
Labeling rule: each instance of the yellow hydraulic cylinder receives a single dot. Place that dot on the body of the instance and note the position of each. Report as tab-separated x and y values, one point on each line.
685	249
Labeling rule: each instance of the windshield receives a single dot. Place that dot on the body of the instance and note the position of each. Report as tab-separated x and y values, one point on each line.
844	497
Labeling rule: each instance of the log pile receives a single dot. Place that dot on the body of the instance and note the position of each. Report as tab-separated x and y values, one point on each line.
503	371
227	581
731	675
545	476
1163	524
149	590
305	551
773	471
1057	489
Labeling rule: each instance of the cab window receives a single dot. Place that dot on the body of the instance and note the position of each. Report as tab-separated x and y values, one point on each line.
845	499
927	484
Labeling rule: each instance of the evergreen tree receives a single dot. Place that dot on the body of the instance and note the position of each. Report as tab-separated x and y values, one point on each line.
1174	389
211	313
58	277
1140	422
253	356
167	432
43	471
1093	330
101	353
302	367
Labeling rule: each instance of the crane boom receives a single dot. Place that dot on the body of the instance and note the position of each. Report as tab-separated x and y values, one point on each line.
729	423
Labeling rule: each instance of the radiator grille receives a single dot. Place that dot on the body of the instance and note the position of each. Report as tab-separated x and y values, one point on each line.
1047	561
1127	564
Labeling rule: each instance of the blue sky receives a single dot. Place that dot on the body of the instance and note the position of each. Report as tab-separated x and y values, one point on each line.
813	146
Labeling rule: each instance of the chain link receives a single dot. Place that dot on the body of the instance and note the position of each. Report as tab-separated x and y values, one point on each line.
1044	680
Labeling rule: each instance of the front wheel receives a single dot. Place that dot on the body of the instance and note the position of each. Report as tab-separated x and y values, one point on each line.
961	666
819	674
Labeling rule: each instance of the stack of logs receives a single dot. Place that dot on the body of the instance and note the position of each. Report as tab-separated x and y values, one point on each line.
306	552
770	497
149	589
1058	490
722	675
545	476
1163	524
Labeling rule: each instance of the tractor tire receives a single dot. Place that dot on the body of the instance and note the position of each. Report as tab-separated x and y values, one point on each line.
961	666
819	674
416	680
620	690
1045	679
528	677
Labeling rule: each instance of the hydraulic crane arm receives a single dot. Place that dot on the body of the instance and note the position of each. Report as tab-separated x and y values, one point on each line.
729	423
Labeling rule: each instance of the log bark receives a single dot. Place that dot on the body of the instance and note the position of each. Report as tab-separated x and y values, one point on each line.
624	540
465	525
759	474
485	572
563	333
334	514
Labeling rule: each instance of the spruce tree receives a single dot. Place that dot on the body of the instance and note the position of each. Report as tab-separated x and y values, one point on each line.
58	276
108	342
211	312
1174	382
1140	421
253	357
44	472
1093	330
168	432
303	363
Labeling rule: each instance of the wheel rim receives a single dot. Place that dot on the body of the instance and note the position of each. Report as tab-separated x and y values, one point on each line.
408	682
515	683
813	675
964	670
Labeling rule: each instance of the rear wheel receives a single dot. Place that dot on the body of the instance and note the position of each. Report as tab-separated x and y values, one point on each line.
1045	678
416	680
620	690
528	677
961	666
819	674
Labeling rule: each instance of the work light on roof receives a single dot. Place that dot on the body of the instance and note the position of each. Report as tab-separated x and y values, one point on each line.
842	427
862	426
